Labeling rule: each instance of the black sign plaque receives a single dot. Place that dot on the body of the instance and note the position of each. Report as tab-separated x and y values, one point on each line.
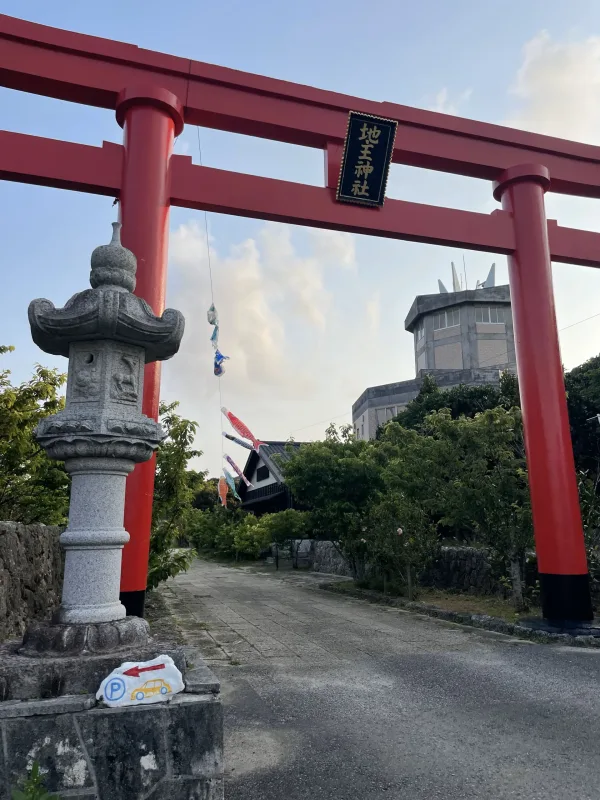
366	161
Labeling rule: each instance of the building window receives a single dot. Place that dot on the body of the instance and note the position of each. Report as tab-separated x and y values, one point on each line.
362	431
420	331
446	319
492	314
262	474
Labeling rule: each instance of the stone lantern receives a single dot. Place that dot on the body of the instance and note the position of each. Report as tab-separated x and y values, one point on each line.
108	335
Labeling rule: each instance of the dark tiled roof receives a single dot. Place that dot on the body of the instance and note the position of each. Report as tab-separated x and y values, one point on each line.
272	453
280	449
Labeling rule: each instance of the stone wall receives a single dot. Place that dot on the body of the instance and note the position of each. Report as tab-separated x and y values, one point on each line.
166	751
30	575
327	558
171	750
464	569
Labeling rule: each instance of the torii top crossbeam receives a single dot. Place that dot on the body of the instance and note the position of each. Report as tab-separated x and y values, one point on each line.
154	95
93	71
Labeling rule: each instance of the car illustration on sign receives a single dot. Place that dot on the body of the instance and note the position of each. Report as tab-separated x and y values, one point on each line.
150	688
141	683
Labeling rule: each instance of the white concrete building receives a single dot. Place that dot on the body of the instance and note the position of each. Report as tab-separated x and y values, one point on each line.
460	337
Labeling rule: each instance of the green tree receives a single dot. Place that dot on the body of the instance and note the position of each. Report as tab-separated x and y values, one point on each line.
175	489
250	537
461	400
286	529
229	532
211	529
589	498
337	481
488	491
287	526
416	466
33	488
342	434
583	400
207	495
401	542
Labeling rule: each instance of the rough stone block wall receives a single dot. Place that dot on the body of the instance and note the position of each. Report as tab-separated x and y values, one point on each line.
327	558
464	569
31	567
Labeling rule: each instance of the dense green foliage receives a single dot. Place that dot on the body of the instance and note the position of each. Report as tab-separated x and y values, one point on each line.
460	400
228	532
236	534
32	487
367	498
451	465
583	399
175	490
465	475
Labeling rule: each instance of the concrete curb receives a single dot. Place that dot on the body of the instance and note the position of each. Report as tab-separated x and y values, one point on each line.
482	621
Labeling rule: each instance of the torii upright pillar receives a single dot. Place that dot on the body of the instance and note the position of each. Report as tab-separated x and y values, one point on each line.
562	563
151	118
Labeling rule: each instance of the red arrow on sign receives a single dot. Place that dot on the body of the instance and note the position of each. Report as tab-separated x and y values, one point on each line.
135	672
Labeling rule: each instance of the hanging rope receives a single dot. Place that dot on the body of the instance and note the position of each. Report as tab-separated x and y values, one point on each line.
212	292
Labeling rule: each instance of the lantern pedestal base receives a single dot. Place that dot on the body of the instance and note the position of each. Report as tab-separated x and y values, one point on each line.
82	638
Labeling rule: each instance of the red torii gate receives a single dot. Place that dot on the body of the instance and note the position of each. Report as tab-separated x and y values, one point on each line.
154	94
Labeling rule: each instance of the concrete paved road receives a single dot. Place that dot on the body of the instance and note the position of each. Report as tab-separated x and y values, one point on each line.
335	698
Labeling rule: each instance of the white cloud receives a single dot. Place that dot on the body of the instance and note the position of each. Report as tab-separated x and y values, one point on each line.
444	104
252	335
558	92
558	86
280	325
374	312
294	278
333	247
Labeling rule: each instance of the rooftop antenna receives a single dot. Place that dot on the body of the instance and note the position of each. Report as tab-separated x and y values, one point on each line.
491	278
455	281
465	271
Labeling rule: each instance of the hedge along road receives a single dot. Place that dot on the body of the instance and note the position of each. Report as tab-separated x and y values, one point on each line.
329	697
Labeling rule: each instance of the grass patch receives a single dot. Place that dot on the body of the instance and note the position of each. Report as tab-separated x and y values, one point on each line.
474	604
162	623
460	603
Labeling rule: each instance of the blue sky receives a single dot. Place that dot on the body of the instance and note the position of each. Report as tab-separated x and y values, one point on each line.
309	318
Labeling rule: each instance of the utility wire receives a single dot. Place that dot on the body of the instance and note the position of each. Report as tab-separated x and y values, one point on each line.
321	422
560	330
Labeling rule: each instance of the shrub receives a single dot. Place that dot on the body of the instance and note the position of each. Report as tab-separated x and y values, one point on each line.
32	788
400	543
